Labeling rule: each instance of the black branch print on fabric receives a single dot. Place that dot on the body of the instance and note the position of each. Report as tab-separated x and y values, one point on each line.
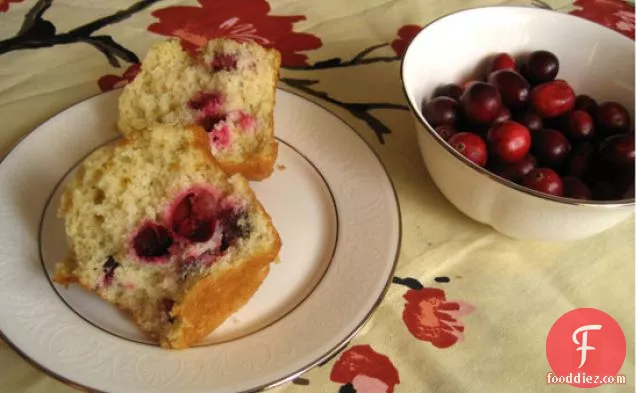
37	32
358	109
408	282
357	60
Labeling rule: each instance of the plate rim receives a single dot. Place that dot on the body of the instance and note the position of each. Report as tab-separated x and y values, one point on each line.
321	360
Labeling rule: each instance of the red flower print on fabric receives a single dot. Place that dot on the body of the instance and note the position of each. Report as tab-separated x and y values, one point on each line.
430	317
245	20
4	4
110	82
405	36
362	370
615	14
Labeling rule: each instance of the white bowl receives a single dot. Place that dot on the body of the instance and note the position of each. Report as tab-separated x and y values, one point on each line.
593	59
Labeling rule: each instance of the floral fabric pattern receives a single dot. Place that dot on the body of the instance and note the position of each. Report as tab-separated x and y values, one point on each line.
111	82
363	370
249	22
405	36
615	14
430	317
4	4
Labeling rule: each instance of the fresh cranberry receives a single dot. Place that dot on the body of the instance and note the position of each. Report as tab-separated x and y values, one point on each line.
552	99
585	103
481	103
574	188
544	180
152	241
501	61
622	182
541	66
629	193
612	118
445	131
451	90
508	141
513	87
193	217
618	152
531	120
603	191
470	146
517	170
440	110
224	62
467	84
108	268
579	159
550	147
503	115
578	125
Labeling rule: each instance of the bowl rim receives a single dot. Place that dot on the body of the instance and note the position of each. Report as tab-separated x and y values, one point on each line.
483	171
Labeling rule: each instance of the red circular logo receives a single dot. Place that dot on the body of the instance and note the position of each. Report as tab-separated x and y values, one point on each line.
585	348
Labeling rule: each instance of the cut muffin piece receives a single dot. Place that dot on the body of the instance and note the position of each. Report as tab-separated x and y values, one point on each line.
156	228
227	87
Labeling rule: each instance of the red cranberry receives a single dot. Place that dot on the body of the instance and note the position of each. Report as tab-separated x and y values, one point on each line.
224	62
440	110
552	99
193	217
618	152
508	141
470	146
481	103
550	147
501	61
623	182
467	84
612	118
152	241
574	188
585	103
542	66
544	180
603	191
503	115
517	170
629	193
445	131
578	125
531	120
451	90
579	160
513	87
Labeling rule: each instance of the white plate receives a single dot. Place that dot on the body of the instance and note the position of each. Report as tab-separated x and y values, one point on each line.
330	199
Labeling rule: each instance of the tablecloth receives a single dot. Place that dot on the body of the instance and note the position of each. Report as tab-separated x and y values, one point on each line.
469	309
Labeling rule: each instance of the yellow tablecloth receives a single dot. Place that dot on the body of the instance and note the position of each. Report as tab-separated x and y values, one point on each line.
492	300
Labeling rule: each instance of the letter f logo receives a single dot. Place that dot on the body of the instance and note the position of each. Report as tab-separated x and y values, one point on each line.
584	347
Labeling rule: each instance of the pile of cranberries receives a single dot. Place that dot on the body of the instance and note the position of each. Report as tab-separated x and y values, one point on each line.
524	125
